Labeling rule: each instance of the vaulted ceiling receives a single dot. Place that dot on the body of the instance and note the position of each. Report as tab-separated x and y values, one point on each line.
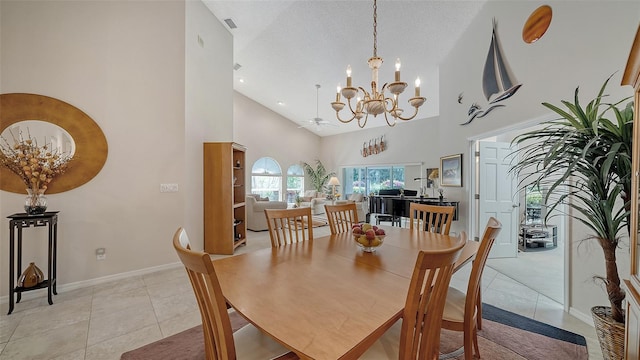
284	48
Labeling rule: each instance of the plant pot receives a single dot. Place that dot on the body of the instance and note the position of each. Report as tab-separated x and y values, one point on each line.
610	333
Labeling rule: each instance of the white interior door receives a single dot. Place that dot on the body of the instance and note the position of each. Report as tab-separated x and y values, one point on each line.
498	197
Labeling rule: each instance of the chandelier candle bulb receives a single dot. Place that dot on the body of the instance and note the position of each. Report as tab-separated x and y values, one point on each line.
348	75
417	87
398	69
338	93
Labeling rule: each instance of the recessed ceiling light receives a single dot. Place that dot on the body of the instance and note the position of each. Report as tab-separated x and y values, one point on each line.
241	80
281	103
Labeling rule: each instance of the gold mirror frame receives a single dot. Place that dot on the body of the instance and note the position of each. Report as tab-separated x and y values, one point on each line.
91	144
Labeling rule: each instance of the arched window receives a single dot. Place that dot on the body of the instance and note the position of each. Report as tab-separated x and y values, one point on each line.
266	178
295	183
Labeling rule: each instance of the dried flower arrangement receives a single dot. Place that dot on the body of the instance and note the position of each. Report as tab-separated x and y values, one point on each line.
36	165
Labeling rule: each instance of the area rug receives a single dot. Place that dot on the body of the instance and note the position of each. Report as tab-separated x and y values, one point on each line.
504	336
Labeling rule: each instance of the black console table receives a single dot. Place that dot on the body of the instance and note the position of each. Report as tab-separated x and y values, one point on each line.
19	222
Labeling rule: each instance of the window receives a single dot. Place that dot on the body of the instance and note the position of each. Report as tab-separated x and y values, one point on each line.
354	181
266	178
366	180
295	183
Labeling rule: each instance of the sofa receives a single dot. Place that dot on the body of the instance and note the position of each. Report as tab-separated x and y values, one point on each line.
361	205
256	220
314	200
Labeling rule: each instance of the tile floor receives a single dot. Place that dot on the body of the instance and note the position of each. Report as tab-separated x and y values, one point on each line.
541	270
104	321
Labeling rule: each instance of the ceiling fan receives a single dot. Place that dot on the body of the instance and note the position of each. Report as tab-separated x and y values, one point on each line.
318	122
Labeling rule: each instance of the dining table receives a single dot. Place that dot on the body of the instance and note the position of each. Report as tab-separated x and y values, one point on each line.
326	298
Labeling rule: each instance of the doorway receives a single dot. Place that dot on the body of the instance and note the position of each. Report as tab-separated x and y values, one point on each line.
538	254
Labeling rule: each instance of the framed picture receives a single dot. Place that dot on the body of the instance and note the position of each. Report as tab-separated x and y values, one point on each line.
451	170
432	175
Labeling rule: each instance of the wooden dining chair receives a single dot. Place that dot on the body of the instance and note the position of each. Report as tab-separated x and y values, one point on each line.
433	218
341	217
219	340
463	311
288	226
417	336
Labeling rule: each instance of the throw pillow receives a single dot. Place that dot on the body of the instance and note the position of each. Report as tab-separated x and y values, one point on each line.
310	193
356	197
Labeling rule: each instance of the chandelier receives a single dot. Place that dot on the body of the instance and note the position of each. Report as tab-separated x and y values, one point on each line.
375	102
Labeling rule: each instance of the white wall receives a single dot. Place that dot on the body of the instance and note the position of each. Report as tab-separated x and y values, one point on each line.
208	101
413	141
123	63
586	43
266	133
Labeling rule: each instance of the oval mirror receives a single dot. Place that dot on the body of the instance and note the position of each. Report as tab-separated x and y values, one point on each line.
43	133
52	120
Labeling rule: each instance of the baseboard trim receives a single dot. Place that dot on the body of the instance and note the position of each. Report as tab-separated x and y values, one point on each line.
93	282
587	318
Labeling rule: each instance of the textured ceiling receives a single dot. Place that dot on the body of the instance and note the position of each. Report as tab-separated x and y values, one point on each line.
286	47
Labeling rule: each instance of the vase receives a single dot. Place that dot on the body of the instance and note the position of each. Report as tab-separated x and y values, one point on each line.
35	203
31	276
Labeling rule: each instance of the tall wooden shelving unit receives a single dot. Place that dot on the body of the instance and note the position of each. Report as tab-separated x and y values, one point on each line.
225	225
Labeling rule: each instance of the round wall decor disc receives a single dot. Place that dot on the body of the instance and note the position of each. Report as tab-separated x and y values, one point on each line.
537	24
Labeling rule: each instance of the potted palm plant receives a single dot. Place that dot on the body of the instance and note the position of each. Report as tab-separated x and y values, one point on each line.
583	160
318	175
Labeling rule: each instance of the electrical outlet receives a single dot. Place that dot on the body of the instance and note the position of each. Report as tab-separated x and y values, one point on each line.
168	188
101	254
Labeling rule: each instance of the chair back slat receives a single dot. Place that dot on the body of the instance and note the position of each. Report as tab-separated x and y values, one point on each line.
473	288
288	226
422	316
341	217
432	218
218	335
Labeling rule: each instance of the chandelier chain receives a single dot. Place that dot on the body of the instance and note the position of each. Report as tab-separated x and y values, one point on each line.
375	29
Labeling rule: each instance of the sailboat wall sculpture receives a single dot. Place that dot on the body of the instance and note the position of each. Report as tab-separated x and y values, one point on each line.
498	81
497	78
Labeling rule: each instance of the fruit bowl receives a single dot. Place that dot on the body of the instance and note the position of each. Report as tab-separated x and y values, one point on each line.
367	236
